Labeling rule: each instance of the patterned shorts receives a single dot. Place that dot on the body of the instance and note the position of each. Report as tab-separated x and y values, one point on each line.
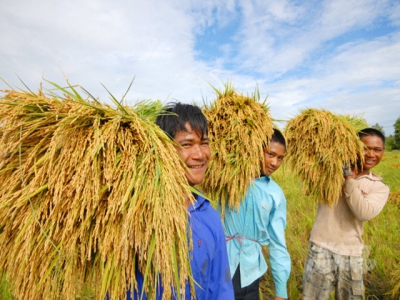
325	271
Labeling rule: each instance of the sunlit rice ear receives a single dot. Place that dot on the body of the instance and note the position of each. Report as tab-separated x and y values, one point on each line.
85	189
238	127
320	144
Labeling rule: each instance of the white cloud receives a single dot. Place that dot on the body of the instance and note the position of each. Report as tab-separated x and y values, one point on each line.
292	51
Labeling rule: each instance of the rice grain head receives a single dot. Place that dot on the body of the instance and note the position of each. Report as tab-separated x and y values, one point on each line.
239	128
89	192
320	144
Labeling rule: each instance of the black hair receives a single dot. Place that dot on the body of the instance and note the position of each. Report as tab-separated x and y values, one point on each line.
176	115
371	132
278	137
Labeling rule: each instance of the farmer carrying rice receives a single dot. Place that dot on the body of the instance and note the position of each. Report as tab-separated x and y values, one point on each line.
260	220
334	257
187	126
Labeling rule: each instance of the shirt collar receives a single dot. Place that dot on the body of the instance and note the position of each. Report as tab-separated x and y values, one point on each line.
371	176
264	178
199	200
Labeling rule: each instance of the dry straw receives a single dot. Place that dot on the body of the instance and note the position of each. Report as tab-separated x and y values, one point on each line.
320	144
239	127
87	193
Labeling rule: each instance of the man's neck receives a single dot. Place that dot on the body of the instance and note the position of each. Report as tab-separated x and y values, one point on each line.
364	172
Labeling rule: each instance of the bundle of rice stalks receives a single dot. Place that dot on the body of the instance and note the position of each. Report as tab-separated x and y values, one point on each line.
239	128
87	193
320	144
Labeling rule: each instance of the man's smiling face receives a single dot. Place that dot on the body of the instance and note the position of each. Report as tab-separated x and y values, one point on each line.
373	151
273	156
195	152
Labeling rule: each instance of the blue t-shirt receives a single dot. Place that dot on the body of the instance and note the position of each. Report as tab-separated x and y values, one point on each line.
208	259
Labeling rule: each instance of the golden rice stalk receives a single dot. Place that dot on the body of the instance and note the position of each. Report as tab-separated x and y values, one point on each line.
86	192
239	127
320	144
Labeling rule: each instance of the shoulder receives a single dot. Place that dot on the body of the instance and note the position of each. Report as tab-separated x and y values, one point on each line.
204	209
275	185
374	179
371	183
267	190
274	189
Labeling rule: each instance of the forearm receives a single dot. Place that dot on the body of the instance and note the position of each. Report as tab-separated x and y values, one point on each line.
364	205
280	265
280	274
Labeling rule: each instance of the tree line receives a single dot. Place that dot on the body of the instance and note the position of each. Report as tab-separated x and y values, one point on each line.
392	141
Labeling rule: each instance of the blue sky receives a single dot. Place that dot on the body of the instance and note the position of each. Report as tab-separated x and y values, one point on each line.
338	55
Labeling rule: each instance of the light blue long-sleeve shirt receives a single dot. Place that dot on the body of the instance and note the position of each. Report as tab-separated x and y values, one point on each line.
260	221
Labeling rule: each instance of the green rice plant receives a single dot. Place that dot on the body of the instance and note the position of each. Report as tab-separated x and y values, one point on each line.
5	290
239	128
88	193
381	235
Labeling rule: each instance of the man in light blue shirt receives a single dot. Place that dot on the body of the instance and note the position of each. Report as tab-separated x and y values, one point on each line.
260	220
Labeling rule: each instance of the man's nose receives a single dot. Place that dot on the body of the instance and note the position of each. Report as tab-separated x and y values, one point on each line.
369	152
198	152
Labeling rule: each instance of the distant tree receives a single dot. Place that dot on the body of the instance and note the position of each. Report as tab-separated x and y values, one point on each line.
389	142
380	128
396	136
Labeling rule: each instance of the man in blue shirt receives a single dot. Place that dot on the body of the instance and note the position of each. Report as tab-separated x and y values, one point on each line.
260	220
187	126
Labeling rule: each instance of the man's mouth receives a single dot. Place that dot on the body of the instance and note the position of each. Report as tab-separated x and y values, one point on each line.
196	167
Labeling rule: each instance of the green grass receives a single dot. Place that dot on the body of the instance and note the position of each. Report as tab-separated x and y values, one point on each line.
381	235
5	293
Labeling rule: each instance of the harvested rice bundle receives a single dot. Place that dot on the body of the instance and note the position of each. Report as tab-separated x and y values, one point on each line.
320	144
239	127
86	193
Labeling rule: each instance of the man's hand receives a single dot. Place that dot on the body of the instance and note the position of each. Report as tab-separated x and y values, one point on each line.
347	172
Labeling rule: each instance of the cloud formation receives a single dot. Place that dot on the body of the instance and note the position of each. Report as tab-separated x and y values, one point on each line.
339	55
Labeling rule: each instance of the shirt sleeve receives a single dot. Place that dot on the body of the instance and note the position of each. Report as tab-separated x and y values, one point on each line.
278	254
365	205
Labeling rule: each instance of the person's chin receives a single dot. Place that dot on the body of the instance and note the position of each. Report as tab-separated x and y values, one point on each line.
194	180
268	172
369	166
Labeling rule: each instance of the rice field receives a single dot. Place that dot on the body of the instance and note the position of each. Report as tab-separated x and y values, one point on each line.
381	235
382	279
382	276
